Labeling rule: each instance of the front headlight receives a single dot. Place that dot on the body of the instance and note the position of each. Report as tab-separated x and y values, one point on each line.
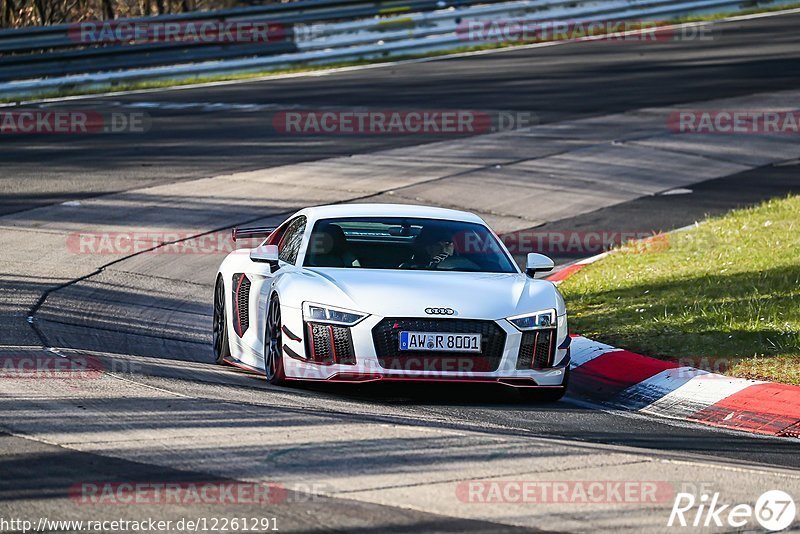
320	313
534	321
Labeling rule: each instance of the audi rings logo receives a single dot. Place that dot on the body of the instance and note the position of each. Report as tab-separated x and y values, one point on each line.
440	311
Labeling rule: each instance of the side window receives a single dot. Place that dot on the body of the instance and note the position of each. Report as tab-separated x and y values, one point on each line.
289	244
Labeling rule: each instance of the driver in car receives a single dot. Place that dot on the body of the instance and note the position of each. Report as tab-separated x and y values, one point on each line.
440	251
433	247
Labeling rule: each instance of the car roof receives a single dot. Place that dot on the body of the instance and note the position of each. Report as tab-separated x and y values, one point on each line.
387	210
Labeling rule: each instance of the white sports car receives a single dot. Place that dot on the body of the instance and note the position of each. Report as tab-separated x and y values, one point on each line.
367	292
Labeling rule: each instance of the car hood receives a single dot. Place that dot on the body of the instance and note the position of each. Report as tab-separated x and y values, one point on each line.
393	293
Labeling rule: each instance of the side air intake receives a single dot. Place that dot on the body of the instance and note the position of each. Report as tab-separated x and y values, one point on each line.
241	303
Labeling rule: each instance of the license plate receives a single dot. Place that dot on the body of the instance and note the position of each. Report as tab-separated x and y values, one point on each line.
440	342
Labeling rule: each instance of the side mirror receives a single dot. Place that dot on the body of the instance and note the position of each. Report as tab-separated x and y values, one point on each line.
266	254
538	263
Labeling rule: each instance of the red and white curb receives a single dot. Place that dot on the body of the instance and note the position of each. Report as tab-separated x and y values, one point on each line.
622	379
573	268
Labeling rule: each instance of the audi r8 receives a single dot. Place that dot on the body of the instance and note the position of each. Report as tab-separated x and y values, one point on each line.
380	292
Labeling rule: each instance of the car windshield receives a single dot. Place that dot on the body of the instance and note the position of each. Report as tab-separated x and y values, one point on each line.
406	243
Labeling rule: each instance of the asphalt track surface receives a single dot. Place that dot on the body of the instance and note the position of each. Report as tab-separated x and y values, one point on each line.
557	83
554	83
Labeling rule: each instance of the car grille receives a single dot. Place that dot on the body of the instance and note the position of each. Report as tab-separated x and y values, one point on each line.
537	349
330	344
386	336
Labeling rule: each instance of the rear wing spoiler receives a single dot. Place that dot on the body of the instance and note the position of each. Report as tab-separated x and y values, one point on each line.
254	231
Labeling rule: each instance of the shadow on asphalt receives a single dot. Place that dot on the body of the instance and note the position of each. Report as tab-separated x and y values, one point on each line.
434	393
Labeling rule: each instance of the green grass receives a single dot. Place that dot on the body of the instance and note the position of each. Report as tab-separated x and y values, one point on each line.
155	84
727	290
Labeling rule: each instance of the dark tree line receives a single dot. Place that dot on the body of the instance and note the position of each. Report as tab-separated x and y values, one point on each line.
19	13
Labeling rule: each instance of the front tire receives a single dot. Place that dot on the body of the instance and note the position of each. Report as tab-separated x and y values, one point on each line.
273	343
222	349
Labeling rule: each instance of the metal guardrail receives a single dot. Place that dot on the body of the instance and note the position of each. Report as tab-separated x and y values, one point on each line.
57	36
313	32
23	48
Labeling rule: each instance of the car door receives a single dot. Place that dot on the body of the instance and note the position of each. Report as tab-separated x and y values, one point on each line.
289	238
250	289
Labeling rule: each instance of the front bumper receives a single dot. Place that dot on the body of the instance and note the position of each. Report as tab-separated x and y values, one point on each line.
368	368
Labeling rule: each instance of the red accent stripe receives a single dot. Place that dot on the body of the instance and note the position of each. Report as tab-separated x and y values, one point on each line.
761	408
333	344
535	344
549	363
354	377
290	334
292	354
243	366
565	273
238	317
611	373
311	342
374	377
